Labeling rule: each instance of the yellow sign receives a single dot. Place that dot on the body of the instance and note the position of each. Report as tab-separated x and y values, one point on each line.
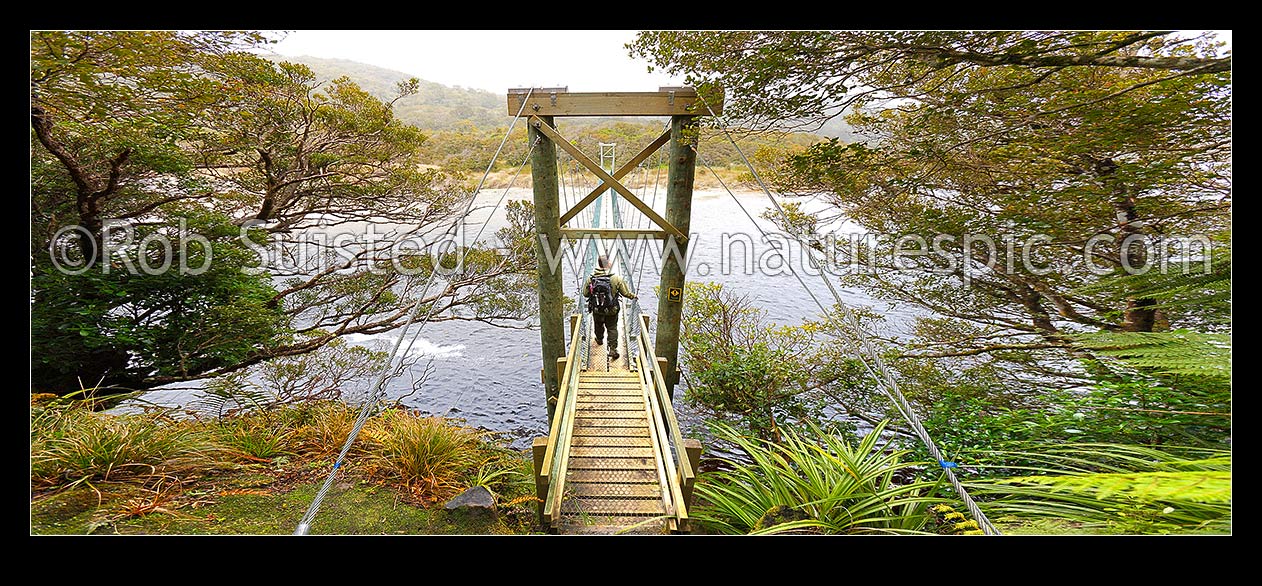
674	294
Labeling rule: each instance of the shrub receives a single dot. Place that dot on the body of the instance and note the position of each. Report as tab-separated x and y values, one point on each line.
816	482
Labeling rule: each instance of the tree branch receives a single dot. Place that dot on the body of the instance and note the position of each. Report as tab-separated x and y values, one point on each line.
43	126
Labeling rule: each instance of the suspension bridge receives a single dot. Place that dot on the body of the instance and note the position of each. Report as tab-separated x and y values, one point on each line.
615	459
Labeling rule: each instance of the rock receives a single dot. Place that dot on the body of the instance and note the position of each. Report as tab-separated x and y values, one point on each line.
476	499
473	510
477	496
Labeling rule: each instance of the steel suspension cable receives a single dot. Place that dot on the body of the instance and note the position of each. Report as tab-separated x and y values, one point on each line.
873	363
378	386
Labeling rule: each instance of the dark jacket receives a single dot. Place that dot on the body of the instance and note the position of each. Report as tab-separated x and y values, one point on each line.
619	284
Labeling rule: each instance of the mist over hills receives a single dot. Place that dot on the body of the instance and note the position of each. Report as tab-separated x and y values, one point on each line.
440	107
434	107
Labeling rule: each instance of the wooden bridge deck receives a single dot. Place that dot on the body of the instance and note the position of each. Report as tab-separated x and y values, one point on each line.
614	475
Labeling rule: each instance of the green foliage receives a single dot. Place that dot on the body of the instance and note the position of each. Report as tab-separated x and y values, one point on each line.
1203	487
103	88
1119	488
777	76
1204	293
130	327
814	482
975	429
71	444
739	364
1193	291
980	136
1176	352
142	134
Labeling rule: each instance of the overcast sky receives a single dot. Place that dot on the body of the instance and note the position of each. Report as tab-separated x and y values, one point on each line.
495	60
586	61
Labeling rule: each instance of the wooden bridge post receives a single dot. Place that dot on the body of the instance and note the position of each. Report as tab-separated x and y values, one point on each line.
547	200
539	449
681	175
692	448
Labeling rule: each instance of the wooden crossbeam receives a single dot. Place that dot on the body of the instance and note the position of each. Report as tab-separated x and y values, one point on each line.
627	233
619	174
578	155
667	101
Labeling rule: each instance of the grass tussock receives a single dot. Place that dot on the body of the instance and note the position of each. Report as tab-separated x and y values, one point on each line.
136	465
72	444
429	455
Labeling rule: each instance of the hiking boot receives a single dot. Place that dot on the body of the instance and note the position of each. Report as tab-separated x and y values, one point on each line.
613	355
600	342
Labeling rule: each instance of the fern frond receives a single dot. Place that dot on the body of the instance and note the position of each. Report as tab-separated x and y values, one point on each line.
1182	275
1128	488
1175	352
1194	287
1194	486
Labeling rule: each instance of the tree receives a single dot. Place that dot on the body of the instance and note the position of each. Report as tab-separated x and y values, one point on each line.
1042	139
738	363
185	136
111	115
111	111
805	78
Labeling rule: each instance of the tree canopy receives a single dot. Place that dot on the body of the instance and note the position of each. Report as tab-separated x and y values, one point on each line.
265	183
1014	184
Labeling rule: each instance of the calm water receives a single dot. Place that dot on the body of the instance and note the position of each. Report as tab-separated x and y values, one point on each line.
489	376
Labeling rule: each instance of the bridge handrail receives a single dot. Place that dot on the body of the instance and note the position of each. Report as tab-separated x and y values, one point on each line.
667	426
553	467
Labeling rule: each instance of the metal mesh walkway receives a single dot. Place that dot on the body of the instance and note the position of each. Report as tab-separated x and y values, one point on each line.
613	476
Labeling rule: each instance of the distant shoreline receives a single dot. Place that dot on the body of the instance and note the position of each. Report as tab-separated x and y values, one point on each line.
735	179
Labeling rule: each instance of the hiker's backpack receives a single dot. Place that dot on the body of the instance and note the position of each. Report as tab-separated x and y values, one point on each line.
601	299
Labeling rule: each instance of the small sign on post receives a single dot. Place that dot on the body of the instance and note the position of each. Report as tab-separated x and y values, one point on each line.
675	294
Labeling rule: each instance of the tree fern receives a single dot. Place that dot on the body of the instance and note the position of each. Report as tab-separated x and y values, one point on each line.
1176	287
1176	352
1197	292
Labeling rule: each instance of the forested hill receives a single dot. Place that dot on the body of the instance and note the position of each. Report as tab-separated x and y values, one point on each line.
464	124
434	107
439	107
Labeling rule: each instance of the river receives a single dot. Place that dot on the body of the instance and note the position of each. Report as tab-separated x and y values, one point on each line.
489	376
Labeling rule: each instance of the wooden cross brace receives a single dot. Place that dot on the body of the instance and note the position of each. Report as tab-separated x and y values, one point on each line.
610	181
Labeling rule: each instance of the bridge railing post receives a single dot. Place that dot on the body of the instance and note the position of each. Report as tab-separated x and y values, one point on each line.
692	447
538	449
